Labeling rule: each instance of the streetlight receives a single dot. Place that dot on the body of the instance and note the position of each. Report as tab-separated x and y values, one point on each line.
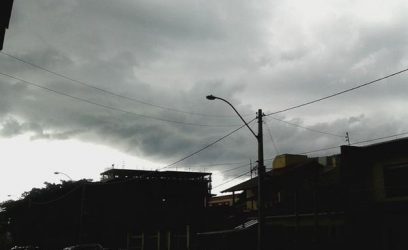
64	174
261	168
81	212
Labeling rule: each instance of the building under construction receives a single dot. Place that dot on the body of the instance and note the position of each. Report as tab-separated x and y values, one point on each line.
129	209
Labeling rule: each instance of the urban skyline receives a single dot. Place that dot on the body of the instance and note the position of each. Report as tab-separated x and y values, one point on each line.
142	70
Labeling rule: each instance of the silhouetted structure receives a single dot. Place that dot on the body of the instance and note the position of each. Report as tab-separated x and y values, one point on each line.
5	12
355	200
222	201
131	209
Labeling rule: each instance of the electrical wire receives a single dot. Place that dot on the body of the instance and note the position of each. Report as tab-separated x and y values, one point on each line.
234	178
317	150
219	164
207	146
322	149
355	143
192	113
231	179
231	169
151	173
307	128
148	174
379	138
337	93
110	107
271	137
134	100
244	165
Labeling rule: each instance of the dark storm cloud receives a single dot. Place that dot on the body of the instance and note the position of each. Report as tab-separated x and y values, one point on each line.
12	127
173	54
339	53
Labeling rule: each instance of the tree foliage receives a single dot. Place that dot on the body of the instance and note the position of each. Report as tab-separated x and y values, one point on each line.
19	219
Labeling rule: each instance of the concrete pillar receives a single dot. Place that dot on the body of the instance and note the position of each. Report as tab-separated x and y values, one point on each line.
169	240
188	237
158	240
143	241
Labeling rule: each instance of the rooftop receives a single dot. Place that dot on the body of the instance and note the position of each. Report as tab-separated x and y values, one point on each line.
149	174
288	171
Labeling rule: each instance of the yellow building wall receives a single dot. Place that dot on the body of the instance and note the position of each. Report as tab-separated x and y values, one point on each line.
251	200
282	161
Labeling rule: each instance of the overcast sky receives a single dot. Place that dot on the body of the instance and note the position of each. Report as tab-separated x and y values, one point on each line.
161	58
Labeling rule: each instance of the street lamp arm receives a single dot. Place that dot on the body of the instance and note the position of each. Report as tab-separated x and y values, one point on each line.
261	171
211	97
63	174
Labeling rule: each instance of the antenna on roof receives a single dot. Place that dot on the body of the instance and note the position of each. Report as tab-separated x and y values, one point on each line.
348	138
250	167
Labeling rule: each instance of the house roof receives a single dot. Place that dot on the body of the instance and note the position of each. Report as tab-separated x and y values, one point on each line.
288	171
387	143
133	173
376	150
221	197
295	169
251	183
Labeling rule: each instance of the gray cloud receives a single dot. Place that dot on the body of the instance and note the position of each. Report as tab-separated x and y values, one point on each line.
12	127
174	54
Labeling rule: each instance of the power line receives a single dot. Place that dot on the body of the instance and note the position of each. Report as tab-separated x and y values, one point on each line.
317	150
229	180
175	110
271	137
322	149
234	163
234	178
307	128
219	164
207	146
229	170
110	92
152	173
338	93
355	143
379	138
110	107
81	185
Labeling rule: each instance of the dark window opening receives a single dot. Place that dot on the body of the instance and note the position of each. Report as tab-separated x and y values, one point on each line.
395	180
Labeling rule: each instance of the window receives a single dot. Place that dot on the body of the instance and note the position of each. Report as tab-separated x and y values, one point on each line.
395	180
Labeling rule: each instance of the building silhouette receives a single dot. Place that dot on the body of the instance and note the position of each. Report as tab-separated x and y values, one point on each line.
357	199
5	13
128	209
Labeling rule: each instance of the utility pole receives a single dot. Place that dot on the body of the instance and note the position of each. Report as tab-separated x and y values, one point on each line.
261	173
261	169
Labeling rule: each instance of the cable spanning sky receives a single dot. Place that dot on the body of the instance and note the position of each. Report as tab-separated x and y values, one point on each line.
88	84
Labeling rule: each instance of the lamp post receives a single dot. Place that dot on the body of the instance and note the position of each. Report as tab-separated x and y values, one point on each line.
64	174
261	169
82	207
